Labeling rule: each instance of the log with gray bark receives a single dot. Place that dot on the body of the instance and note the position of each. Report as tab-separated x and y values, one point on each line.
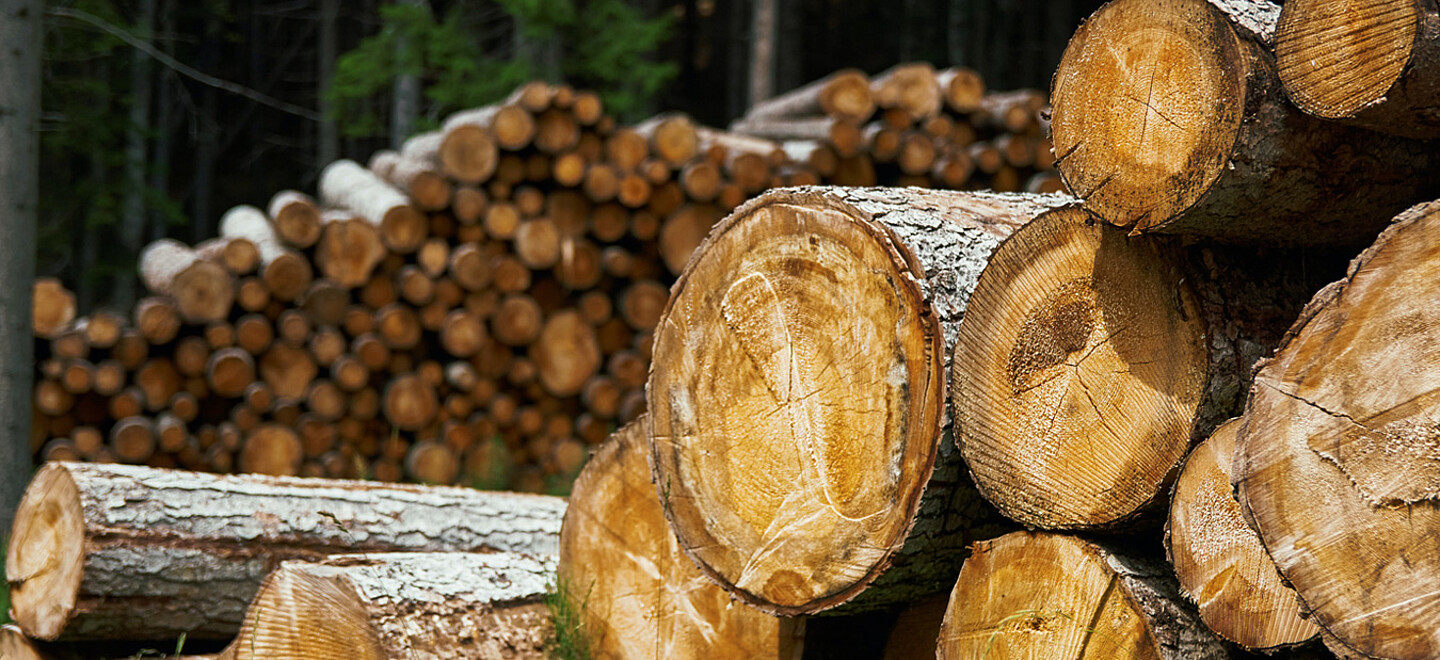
1170	117
121	552
797	398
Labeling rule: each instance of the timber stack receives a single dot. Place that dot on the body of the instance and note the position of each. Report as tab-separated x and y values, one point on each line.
1214	420
477	307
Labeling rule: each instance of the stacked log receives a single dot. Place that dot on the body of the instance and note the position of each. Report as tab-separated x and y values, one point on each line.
128	552
476	307
912	126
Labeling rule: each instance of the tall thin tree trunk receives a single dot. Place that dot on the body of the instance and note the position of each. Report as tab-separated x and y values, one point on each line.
202	221
19	193
762	51
329	134
406	102
164	120
132	215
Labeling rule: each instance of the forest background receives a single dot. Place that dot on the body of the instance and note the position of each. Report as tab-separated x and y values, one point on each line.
158	115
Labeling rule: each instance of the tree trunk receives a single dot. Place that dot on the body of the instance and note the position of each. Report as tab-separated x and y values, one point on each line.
133	214
376	606
1219	560
839	345
405	101
636	595
1031	594
1334	464
325	74
1375	65
762	50
1173	160
116	552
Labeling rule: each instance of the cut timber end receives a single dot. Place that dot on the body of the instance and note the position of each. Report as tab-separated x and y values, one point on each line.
615	543
1078	371
1037	595
14	645
422	605
1336	466
1169	116
46	557
797	388
1376	64
1221	564
1166	86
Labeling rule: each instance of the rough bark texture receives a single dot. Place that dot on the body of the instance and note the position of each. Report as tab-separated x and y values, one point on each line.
854	367
1195	135
637	594
1374	64
1335	465
1031	594
1221	565
109	551
401	605
844	94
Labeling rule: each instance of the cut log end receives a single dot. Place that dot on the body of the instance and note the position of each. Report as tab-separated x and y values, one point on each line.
753	316
1028	595
601	570
1143	140
46	557
1077	375
1222	567
1337	59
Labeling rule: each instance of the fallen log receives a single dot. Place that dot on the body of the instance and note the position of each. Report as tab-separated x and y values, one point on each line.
120	552
401	605
804	313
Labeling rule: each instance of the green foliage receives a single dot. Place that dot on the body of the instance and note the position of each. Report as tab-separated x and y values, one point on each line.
604	45
569	641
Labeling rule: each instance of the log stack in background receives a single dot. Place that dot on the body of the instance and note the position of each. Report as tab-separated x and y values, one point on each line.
476	307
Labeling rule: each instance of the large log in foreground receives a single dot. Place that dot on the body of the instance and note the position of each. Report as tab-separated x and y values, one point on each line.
1039	595
798	398
1373	64
400	605
1169	117
1336	464
1078	372
1218	559
121	552
638	596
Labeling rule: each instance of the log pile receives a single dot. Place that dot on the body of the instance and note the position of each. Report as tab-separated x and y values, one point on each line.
854	396
474	308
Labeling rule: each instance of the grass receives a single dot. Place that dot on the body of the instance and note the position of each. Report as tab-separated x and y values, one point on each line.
569	641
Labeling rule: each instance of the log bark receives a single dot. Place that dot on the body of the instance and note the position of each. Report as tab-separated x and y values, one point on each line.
1031	594
1221	565
1334	464
347	185
1374	65
1251	170
636	594
844	94
401	605
203	290
118	552
740	304
471	137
